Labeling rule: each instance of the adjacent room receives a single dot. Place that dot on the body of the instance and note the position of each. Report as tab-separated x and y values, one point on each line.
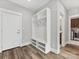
39	29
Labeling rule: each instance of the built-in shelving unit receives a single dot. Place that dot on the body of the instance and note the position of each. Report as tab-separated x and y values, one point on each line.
41	30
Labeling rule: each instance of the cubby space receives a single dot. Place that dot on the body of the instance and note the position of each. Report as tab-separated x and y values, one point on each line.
41	31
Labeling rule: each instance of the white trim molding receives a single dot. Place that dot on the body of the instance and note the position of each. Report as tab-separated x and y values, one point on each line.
13	12
71	17
6	10
55	51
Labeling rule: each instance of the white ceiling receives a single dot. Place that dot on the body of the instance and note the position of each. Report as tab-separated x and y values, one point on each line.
32	5
37	4
70	3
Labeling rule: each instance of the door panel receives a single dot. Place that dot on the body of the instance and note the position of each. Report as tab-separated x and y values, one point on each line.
12	30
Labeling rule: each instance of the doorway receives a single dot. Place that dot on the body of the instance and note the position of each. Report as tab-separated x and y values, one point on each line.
74	29
11	29
61	30
60	39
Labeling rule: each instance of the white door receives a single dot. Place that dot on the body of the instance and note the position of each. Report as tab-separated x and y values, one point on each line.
12	30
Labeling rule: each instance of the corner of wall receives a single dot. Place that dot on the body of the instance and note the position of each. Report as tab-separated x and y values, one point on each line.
55	51
25	44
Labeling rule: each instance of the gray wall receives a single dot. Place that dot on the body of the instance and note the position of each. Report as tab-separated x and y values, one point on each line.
27	18
64	12
66	27
73	11
53	6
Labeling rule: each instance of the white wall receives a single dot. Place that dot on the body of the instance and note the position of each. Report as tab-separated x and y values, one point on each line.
54	42
53	5
27	18
66	28
65	25
60	15
73	11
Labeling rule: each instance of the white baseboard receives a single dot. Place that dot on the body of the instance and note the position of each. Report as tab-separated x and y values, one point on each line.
25	44
69	42
65	44
55	51
73	42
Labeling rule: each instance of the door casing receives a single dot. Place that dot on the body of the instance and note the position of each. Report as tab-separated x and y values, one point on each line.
13	12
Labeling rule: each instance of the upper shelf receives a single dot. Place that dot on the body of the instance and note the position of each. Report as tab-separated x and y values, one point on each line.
43	17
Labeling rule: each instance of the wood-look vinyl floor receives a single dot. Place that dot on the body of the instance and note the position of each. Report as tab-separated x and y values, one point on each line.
30	52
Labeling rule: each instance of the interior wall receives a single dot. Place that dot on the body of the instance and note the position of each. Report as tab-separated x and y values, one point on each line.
61	15
54	21
53	8
53	5
64	13
27	18
66	28
73	11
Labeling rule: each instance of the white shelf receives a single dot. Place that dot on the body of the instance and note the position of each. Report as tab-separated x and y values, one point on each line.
41	49
42	46
41	30
39	40
43	17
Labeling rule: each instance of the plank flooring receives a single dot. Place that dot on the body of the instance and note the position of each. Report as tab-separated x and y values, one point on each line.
30	52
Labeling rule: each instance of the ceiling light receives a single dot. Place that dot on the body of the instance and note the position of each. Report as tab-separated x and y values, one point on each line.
28	0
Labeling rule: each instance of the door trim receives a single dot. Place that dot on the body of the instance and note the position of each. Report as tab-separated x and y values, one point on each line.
72	16
13	12
10	11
